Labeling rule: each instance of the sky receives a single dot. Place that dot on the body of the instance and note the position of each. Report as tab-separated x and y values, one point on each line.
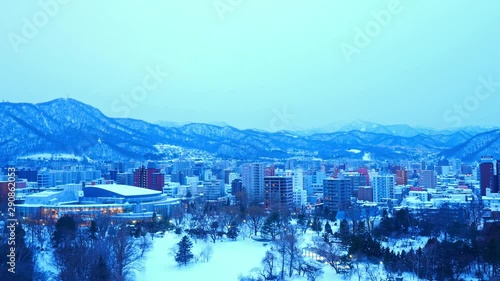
271	65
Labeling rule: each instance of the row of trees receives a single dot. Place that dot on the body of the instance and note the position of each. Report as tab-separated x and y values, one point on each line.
100	251
454	249
285	258
24	257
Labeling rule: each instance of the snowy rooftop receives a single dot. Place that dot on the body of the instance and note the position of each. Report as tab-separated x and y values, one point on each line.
126	190
44	194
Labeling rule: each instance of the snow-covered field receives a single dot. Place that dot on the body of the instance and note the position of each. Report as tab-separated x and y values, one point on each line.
230	260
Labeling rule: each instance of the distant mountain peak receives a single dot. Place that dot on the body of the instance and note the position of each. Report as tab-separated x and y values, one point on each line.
68	126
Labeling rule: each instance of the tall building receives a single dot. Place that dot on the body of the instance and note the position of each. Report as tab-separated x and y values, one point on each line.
318	177
125	178
214	189
466	169
383	187
365	193
427	179
4	195
401	177
252	178
30	175
364	171
44	179
356	180
486	175
299	193
278	192
308	183
498	177
337	194
150	177
269	171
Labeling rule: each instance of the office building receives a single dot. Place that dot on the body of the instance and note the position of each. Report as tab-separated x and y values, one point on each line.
427	179
486	175
401	177
278	192
337	194
383	187
252	177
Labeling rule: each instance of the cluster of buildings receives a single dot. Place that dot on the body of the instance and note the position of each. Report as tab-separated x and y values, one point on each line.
134	190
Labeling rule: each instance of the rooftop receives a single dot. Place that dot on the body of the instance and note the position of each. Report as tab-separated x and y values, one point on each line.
126	190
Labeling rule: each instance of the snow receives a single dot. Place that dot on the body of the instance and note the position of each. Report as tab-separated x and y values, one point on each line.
230	260
367	157
48	156
354	150
406	244
126	190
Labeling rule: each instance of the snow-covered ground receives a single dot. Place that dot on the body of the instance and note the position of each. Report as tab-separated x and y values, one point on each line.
397	245
230	260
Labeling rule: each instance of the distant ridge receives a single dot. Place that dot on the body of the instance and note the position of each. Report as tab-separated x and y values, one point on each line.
67	126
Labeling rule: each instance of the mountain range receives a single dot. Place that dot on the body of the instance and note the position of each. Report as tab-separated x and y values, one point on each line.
67	126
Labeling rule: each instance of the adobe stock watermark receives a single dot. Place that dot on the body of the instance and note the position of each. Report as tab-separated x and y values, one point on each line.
280	120
31	26
222	7
150	82
471	103
373	28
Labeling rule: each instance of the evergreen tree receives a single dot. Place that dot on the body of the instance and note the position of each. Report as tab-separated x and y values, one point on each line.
65	231
154	225
344	232
93	230
233	232
184	255
328	228
271	226
316	225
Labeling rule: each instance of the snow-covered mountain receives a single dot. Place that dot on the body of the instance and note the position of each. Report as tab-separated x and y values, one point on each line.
402	130
67	126
487	143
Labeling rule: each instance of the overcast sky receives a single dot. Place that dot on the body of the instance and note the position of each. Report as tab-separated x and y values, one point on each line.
267	64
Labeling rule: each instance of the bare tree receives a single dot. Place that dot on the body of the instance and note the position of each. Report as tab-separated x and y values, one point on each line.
372	272
268	262
125	253
228	217
178	215
312	270
292	241
206	253
103	221
256	217
331	253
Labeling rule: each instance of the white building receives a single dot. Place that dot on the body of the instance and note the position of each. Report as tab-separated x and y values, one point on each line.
383	187
252	179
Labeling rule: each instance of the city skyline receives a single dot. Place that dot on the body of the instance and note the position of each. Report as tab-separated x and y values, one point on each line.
268	66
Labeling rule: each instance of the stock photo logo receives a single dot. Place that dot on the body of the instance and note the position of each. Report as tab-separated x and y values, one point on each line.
153	78
222	7
460	111
363	36
31	26
281	119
